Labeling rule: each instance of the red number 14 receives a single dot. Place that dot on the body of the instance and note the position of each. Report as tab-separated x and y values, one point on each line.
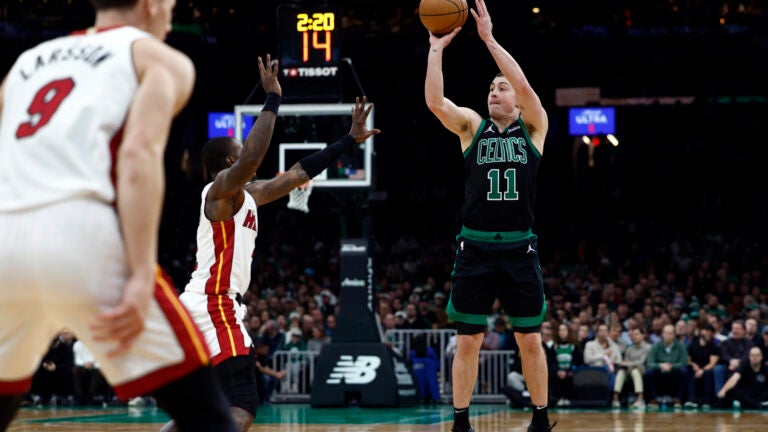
317	45
44	104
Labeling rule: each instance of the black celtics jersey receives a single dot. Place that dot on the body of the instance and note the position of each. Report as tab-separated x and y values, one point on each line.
500	180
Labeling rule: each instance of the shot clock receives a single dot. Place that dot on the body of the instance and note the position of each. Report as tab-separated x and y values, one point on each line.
310	52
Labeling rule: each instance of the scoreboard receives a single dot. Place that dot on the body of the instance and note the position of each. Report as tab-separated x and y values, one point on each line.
309	52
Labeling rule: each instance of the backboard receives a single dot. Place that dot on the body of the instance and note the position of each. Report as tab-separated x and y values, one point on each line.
305	128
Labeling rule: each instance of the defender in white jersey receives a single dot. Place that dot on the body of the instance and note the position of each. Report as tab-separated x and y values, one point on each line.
227	233
83	124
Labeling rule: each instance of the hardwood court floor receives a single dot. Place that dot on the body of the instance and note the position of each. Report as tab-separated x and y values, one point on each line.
485	418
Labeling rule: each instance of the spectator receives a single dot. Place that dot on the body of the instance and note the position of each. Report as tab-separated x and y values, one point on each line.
506	337
330	325
318	338
296	362
667	368
763	345
750	328
704	356
749	384
272	337
266	376
633	365
717	324
681	333
582	337
413	321
52	383
733	352
614	333
603	353
548	344
568	355
426	367
90	387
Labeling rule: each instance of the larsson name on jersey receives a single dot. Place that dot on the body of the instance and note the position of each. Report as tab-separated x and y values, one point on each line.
94	55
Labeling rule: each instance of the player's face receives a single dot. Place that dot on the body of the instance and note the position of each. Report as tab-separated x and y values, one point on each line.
160	22
501	98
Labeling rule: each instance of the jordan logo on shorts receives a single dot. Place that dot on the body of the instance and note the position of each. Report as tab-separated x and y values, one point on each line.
530	249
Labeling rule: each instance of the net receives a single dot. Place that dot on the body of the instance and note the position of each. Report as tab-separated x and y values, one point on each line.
298	198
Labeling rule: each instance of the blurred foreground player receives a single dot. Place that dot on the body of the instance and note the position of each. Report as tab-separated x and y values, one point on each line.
84	120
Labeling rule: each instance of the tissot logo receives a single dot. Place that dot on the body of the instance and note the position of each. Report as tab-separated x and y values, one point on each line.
353	282
310	72
352	248
360	371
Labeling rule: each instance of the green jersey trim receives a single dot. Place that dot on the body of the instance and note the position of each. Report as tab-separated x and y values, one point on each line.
495	237
468	318
528	137
474	140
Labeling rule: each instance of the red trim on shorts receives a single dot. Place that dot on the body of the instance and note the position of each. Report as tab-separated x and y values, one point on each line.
114	146
187	334
90	30
223	248
228	331
15	387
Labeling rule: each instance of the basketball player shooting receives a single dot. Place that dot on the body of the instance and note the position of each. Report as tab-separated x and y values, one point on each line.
501	156
226	236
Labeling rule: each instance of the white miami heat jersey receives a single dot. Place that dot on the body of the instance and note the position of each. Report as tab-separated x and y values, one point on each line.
64	107
225	251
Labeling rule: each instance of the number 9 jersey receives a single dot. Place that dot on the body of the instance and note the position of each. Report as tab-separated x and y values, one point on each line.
58	137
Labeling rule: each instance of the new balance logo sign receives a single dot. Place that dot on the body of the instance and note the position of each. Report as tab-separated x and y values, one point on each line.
360	371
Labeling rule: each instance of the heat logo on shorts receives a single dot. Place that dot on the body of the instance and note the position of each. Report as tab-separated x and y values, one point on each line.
351	371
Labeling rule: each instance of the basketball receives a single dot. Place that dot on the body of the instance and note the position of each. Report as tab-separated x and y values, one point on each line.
443	16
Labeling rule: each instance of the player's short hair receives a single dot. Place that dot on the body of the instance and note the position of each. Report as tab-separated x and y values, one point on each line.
113	4
215	153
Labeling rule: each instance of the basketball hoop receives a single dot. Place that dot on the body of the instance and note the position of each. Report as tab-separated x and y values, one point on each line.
298	199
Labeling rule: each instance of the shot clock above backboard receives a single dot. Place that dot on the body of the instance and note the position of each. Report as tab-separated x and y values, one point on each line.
309	52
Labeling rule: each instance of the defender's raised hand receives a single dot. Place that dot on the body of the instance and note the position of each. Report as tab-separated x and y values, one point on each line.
359	116
269	76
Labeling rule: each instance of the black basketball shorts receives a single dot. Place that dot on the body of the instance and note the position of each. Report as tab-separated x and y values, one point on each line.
508	271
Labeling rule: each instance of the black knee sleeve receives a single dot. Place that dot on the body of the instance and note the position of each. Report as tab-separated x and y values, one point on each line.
8	406
531	329
196	403
470	329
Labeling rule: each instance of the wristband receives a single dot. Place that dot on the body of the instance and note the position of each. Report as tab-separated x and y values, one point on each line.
272	103
315	163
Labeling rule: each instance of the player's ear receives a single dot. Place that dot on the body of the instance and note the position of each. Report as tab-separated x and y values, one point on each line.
151	7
